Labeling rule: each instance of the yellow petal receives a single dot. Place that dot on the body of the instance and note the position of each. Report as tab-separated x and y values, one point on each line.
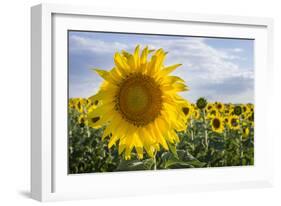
121	148
179	87
139	152
106	76
106	132
101	110
144	55
126	54
159	136
112	140
129	146
136	56
132	62
121	65
171	80
168	70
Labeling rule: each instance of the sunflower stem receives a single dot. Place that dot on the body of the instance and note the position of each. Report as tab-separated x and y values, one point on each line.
225	135
155	162
191	131
88	131
241	150
241	142
206	132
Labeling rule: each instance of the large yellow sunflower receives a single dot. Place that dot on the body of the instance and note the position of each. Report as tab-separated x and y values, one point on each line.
139	103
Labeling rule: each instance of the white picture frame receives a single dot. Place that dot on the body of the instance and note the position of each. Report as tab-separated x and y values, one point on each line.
49	178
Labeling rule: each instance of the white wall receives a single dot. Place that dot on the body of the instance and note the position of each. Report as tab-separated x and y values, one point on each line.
15	95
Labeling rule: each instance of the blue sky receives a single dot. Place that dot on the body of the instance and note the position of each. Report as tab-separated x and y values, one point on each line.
215	68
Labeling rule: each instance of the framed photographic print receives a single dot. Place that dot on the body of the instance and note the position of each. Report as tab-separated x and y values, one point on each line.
135	102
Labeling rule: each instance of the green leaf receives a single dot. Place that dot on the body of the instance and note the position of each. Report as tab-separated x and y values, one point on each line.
173	149
175	163
148	164
132	165
126	165
184	160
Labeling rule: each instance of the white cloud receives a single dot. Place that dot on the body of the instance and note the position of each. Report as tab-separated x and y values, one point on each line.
199	57
85	87
193	53
79	44
202	63
237	50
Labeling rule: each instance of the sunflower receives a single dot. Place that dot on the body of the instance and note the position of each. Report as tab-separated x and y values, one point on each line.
212	113
237	110
80	104
201	103
226	112
219	106
139	103
250	107
251	117
245	132
209	107
71	103
245	109
226	120
234	122
196	114
187	110
82	120
217	124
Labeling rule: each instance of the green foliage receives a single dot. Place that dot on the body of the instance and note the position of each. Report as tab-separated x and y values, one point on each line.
87	153
126	165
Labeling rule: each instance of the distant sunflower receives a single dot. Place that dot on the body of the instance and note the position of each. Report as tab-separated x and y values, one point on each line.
245	132
234	122
251	117
245	109
226	120
237	110
219	106
201	103
187	109
82	120
226	112
139	103
196	114
209	107
71	103
217	124
212	113
80	104
250	107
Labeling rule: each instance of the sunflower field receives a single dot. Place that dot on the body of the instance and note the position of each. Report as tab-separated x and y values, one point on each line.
138	121
216	135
